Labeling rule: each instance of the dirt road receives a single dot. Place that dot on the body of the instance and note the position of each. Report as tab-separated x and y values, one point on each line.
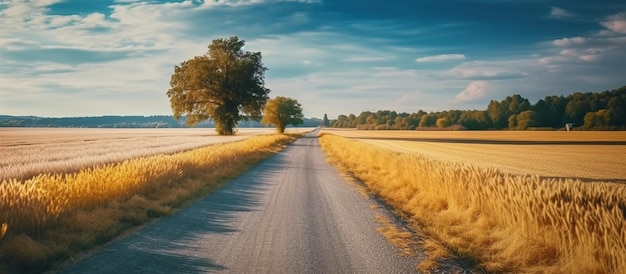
293	213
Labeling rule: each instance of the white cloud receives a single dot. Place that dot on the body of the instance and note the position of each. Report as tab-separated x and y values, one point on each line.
16	10
213	3
616	23
573	55
598	48
141	41
569	53
566	42
367	58
24	10
441	58
557	12
59	21
94	19
474	90
493	70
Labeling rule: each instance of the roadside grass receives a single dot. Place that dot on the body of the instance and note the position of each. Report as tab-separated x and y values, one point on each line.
50	218
401	239
495	221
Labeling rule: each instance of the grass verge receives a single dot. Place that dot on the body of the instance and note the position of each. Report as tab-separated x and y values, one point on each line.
497	222
49	218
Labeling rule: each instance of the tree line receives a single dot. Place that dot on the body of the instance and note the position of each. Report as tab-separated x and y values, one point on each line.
157	121
589	111
160	121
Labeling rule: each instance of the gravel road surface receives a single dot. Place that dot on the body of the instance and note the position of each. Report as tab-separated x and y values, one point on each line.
293	213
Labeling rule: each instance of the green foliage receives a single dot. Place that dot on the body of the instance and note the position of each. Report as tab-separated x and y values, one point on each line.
282	111
325	121
164	121
512	121
428	120
443	122
551	111
600	110
160	121
222	84
526	119
475	119
597	120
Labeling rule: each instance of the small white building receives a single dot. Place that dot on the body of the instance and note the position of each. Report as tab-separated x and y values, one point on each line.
569	126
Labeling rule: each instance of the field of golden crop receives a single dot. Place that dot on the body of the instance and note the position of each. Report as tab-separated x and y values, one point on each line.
26	152
47	218
499	221
587	155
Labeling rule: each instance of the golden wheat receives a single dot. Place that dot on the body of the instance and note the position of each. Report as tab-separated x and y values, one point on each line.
31	204
26	152
579	154
3	229
507	222
45	218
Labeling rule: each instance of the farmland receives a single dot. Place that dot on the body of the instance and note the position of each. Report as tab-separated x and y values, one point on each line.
587	155
47	217
492	199
25	152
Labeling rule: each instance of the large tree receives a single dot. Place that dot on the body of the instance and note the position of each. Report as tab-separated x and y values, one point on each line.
282	111
224	84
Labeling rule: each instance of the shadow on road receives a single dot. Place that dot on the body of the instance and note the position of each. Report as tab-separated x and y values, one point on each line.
174	244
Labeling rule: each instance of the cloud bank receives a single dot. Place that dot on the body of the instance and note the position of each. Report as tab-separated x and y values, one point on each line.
73	58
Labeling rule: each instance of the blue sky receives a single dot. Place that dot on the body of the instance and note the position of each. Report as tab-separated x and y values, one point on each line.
88	58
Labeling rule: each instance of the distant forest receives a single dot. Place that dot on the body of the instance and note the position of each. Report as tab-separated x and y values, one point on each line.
161	121
587	111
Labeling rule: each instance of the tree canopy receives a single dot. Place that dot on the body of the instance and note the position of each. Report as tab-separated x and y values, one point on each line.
223	85
325	121
282	111
590	111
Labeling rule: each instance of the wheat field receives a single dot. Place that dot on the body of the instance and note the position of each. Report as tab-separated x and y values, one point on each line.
46	218
26	152
586	155
497	221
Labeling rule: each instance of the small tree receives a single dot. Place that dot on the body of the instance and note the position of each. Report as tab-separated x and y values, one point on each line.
526	119
325	121
282	111
223	85
442	122
597	120
513	121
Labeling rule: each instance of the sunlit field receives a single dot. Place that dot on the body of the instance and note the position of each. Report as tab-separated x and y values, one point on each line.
460	193
25	152
46	218
579	154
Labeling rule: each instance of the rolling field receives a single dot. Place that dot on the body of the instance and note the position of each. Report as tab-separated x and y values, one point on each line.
26	152
585	155
501	201
47	218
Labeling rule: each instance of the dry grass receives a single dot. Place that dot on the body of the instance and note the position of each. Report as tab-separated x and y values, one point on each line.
578	154
505	222
27	152
403	240
60	214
